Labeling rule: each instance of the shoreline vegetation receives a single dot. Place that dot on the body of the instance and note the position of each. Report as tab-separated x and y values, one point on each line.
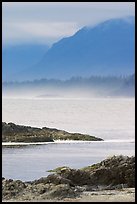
20	133
113	179
74	87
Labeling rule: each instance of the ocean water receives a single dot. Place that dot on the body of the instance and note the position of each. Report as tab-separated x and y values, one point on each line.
106	118
111	119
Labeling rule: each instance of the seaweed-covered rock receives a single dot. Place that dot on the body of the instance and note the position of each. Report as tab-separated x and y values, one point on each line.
77	177
110	172
62	191
54	179
113	173
11	188
20	133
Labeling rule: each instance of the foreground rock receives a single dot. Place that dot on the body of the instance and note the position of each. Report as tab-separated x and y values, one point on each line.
19	133
112	172
115	173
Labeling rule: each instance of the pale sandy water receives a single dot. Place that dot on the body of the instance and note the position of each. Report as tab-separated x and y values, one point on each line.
107	118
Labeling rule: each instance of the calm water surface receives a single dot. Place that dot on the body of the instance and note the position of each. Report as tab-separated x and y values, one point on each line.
111	119
31	162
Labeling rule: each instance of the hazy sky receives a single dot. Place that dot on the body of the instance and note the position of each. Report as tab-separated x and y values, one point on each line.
47	22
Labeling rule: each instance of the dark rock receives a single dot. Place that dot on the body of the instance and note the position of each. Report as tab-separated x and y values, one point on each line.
62	191
54	179
117	172
77	177
19	133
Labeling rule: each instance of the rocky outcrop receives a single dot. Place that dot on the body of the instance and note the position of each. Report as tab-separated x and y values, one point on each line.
19	133
43	189
113	173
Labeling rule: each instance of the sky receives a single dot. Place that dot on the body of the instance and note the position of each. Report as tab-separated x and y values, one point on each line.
48	22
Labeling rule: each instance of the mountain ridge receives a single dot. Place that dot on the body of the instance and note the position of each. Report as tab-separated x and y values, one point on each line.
106	48
17	58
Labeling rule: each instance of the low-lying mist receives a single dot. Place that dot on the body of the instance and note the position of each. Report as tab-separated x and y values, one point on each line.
77	87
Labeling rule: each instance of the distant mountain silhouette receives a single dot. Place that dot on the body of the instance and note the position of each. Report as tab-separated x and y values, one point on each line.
20	57
105	49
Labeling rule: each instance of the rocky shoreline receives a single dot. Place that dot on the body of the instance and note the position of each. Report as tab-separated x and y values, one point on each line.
113	174
19	133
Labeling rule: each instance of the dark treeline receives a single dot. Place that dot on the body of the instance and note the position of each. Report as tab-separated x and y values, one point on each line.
94	85
93	80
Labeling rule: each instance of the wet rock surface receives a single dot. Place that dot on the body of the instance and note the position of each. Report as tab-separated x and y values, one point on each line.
117	172
18	133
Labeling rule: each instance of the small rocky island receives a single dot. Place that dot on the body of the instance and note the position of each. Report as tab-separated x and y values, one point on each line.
112	178
19	133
